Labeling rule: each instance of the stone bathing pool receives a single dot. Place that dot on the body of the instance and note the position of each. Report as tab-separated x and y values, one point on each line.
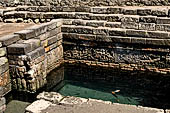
103	84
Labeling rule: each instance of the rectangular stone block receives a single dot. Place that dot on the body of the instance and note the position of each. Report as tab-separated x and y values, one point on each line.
34	15
137	40
26	34
68	9
130	18
158	34
4	90
148	19
55	23
82	15
34	43
96	23
38	29
102	38
4	66
98	17
36	53
147	26
53	32
114	17
117	32
43	9
129	25
2	51
163	20
99	10
9	39
151	41
144	11
100	31
129	11
79	22
119	39
53	46
113	24
163	27
82	9
67	21
160	11
19	49
21	14
136	33
42	36
4	79
115	10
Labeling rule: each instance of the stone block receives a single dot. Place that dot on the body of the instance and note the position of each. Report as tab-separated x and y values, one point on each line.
36	53
99	10
9	39
4	66
79	22
4	90
82	15
54	24
21	14
49	15
151	41
42	36
117	32
35	15
68	9
129	25
98	17
53	32
82	9
38	29
114	17
67	21
100	31
51	40
43	9
148	19
2	52
137	40
129	11
115	10
2	101
160	11
119	39
113	24
19	49
130	18
96	23
4	79
9	15
163	27
163	20
35	43
136	33
102	38
144	11
147	26
158	34
26	34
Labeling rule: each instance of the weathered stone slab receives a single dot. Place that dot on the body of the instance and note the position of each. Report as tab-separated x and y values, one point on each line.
129	25
9	39
4	90
35	43
79	22
158	34
163	27
151	41
100	31
38	106
163	20
50	41
148	19
51	96
43	8
160	11
98	17
147	26
38	29
99	10
82	15
36	53
54	24
96	23
53	32
129	11
130	18
114	17
3	65
117	32
34	15
26	34
136	33
137	40
113	24
144	11
20	49
2	52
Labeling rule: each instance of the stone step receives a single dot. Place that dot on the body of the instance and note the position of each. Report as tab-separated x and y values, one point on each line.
115	31
133	10
117	39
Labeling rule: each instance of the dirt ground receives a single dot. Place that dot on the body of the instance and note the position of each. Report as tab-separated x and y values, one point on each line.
9	28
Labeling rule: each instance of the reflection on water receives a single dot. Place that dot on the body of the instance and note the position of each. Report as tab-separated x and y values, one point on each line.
111	85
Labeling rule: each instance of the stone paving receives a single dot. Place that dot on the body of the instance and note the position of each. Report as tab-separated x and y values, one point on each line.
50	102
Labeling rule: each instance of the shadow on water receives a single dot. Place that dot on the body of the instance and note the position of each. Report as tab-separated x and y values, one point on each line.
112	85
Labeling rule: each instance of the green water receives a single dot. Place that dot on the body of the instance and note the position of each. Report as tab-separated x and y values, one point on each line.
139	89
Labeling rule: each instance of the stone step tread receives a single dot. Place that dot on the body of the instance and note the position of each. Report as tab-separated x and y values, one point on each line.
115	31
